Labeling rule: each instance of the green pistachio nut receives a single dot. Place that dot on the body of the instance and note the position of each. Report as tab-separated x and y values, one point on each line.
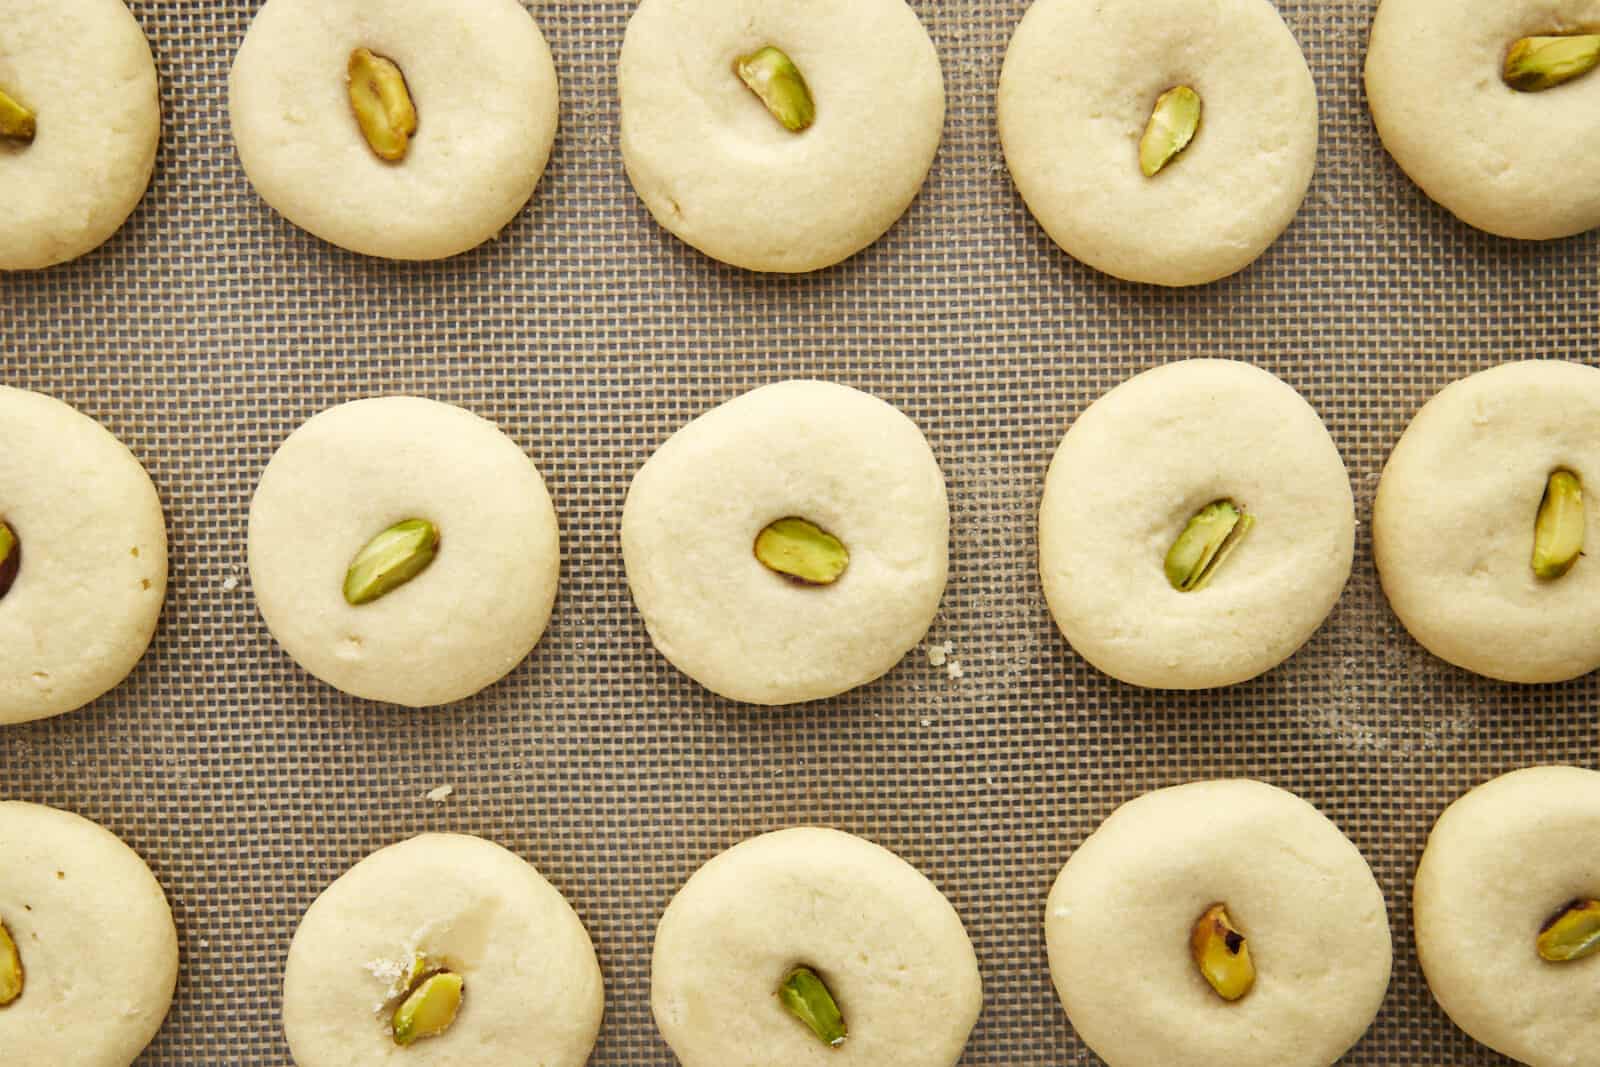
802	551
17	123
1172	125
806	997
10	558
773	77
1559	529
1208	540
382	104
390	560
11	974
1222	954
1571	933
1535	64
429	1009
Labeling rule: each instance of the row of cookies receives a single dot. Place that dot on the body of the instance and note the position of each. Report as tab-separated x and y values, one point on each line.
1209	923
1151	140
793	542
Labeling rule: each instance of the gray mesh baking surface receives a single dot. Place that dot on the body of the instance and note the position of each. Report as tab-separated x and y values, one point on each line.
209	328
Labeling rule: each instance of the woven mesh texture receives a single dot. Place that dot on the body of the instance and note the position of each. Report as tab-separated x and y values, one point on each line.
209	328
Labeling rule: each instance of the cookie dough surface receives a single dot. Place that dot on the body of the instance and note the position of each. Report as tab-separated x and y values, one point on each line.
95	936
1453	523
844	460
533	992
93	570
1500	862
353	471
716	169
1118	923
484	86
1079	83
1513	163
1137	465
84	68
889	946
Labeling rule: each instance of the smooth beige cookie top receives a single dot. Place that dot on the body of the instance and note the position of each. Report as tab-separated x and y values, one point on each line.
1516	164
1501	862
716	169
84	69
95	938
484	86
1119	919
1077	90
1453	523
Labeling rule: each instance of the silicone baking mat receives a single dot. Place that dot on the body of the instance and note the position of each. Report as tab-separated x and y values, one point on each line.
209	328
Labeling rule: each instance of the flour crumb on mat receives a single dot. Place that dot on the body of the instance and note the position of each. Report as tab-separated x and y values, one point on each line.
441	794
938	655
954	670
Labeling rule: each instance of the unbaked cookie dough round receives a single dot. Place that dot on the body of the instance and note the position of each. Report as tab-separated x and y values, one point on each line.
91	558
84	69
1453	523
888	946
1502	861
718	170
1077	90
94	936
353	472
1130	474
484	87
1119	919
847	462
532	989
1516	164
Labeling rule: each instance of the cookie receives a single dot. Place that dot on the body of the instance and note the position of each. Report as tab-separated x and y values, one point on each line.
848	464
1077	91
1120	920
1501	863
483	87
75	169
886	946
1142	464
356	471
93	937
719	170
88	567
1517	164
450	904
1453	526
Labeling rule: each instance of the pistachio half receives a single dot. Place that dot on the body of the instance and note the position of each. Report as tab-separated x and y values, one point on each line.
1222	954
1571	933
10	558
807	998
1558	531
802	551
11	975
773	77
1172	125
17	123
430	1008
390	560
1208	539
382	104
1534	64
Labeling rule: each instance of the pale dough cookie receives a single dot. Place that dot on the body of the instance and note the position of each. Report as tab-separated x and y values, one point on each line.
1453	524
1119	919
484	86
532	992
93	558
84	69
1513	163
95	937
354	471
1502	861
1079	83
887	944
845	461
716	169
1128	477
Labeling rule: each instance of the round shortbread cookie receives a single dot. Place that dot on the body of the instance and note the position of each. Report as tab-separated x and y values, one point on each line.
533	991
352	472
1502	861
1119	919
1079	83
718	170
92	570
95	938
1513	163
484	87
1453	523
841	459
1130	474
887	944
84	68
